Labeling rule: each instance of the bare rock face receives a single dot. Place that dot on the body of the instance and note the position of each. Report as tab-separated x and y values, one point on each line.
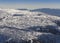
20	26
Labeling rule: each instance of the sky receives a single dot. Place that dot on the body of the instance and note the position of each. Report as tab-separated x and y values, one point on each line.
30	4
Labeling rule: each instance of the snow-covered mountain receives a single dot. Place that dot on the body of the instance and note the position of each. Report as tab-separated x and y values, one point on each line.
20	26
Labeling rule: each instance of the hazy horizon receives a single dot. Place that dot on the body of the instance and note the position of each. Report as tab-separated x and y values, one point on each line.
30	4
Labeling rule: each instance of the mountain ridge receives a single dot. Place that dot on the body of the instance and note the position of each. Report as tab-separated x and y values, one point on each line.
25	26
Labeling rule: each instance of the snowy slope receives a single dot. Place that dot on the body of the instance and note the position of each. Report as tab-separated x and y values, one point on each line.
25	25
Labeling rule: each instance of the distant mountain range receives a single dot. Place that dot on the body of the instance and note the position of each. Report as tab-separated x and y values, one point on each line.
23	9
48	11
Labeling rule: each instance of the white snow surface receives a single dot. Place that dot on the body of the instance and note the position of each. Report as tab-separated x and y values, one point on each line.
19	24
